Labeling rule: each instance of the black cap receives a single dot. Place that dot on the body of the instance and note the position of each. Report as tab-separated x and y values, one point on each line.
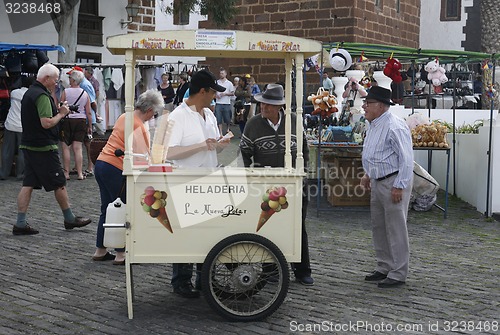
380	94
204	79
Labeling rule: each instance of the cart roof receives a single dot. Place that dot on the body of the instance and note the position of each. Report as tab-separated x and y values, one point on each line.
212	43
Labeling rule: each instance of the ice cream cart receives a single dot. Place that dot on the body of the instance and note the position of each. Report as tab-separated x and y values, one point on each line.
244	224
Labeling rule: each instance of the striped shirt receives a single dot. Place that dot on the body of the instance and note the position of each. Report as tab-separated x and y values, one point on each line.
388	148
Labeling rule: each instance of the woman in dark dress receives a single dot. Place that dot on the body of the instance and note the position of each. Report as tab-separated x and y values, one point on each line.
167	91
181	89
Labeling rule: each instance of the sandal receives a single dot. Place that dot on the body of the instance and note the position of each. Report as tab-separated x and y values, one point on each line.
106	257
88	173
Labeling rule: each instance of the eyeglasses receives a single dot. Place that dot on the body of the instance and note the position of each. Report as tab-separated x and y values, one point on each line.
368	103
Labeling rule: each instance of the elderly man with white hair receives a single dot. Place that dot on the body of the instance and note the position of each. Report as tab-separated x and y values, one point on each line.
40	117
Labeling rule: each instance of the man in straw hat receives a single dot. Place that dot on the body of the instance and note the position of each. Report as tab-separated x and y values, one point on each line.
388	163
263	144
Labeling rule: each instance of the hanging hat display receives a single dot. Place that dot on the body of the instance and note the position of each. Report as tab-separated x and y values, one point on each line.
340	59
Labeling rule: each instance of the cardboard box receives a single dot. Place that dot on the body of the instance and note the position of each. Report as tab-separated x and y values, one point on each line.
347	194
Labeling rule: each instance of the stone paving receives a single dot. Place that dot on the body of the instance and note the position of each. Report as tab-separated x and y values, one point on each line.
50	285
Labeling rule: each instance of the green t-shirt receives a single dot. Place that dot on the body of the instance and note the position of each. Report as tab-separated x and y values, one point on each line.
44	110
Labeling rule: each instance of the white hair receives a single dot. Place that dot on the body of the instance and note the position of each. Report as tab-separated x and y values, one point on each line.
77	76
152	98
47	70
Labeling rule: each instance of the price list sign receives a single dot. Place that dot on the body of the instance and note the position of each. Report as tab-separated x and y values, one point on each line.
215	40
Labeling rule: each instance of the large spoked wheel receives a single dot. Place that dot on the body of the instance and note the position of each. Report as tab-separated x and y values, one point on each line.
245	277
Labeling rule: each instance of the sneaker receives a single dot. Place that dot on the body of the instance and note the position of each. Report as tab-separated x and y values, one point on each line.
305	280
24	231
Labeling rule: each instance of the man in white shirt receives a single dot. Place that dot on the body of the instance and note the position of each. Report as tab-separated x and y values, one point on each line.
194	142
327	82
13	133
223	101
388	164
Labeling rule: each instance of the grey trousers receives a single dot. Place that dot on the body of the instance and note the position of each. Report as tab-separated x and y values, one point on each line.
390	234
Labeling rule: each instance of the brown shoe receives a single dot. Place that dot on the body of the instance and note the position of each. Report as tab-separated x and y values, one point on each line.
24	231
79	222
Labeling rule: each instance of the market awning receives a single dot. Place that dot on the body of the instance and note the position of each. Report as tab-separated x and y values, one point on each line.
380	51
5	47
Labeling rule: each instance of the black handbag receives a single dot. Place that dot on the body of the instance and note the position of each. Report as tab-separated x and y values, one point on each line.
13	63
30	62
42	57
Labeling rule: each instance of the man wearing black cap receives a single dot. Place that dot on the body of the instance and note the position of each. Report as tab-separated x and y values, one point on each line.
263	144
194	142
388	163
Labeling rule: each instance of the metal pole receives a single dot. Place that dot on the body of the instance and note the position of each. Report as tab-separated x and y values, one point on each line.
414	69
318	158
488	174
454	77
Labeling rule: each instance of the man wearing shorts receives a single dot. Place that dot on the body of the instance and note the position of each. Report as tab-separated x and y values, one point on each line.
223	101
40	119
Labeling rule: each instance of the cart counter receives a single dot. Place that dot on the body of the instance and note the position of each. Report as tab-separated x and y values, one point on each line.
179	216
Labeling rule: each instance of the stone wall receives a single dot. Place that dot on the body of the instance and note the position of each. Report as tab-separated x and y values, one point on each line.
145	20
322	20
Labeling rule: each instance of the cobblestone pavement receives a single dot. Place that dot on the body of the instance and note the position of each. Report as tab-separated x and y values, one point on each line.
49	284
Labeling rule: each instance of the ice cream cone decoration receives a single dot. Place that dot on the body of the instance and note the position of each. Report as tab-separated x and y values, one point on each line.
153	202
274	200
163	218
264	216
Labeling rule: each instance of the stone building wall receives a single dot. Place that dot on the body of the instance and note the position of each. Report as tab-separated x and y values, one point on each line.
321	20
144	21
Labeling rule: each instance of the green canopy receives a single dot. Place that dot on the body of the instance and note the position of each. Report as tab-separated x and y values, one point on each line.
379	51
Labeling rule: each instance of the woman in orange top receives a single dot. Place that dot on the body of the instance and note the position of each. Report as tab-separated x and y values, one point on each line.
109	167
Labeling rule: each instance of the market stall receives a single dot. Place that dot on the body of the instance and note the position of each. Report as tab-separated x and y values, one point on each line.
217	212
455	61
18	60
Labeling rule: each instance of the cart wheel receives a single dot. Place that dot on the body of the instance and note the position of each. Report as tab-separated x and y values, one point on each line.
245	277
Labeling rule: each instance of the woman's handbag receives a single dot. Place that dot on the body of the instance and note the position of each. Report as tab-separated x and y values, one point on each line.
239	115
96	146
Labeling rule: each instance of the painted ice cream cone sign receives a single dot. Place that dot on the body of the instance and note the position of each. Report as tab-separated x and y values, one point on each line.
153	202
273	201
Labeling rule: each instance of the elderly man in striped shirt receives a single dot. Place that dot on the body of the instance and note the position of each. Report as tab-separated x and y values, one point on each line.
388	165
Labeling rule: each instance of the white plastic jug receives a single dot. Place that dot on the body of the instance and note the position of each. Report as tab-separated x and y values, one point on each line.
116	212
114	227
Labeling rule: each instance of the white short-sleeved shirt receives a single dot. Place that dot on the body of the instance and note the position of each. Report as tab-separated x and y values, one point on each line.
226	99
190	128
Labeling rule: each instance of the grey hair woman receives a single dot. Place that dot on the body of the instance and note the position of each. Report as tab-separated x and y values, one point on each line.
109	167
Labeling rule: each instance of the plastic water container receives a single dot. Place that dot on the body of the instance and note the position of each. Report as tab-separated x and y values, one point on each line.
115	225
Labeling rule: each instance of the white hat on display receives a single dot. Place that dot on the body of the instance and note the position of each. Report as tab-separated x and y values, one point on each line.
340	59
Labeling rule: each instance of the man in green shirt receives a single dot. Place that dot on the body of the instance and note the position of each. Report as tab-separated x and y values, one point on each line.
40	118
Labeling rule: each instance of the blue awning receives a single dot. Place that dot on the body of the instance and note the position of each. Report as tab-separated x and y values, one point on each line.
4	47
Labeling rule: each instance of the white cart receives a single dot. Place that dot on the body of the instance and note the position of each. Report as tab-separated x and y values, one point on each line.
213	215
